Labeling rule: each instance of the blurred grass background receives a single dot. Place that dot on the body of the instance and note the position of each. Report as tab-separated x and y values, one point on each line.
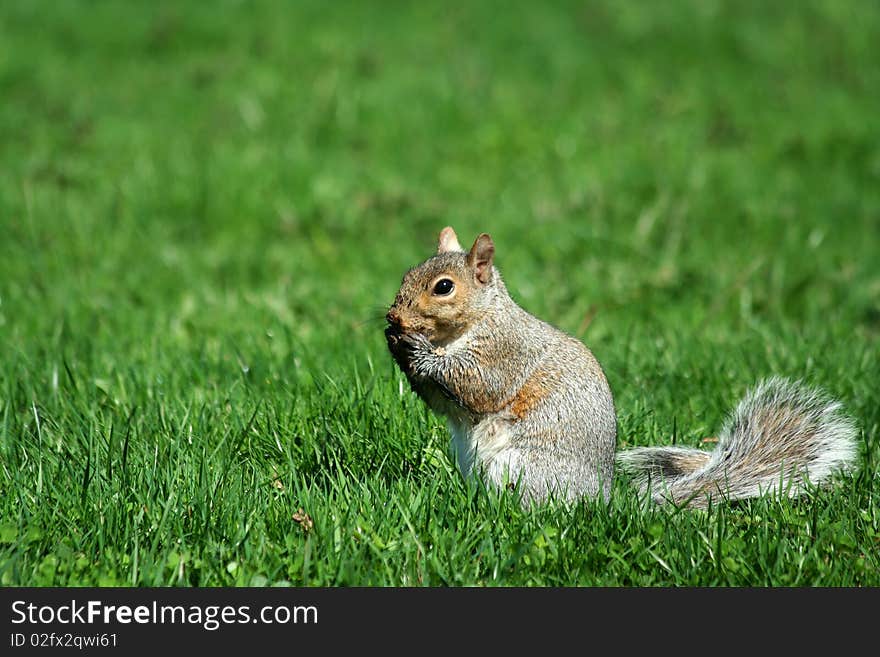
204	211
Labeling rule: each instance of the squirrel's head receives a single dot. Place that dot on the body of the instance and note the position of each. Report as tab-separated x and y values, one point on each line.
444	295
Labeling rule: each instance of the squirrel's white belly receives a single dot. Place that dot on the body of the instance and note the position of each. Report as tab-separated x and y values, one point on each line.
485	446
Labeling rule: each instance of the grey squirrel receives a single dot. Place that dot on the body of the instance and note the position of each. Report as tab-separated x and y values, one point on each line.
528	403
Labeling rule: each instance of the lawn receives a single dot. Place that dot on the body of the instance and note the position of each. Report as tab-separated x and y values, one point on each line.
205	210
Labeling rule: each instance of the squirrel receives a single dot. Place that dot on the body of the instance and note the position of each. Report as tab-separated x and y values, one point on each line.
529	405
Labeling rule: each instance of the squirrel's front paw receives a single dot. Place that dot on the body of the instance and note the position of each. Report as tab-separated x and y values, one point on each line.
408	349
416	342
399	348
420	353
392	337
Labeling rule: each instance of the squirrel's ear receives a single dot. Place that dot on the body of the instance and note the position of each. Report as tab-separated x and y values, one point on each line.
448	241
481	256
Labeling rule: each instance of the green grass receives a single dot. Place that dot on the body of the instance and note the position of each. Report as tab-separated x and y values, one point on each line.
204	212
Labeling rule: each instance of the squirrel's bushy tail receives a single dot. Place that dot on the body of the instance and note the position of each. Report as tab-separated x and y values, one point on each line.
781	435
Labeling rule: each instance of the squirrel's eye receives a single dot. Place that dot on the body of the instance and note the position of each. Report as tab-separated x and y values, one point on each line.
443	287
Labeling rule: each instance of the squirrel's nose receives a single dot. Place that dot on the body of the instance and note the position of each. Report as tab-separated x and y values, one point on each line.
392	317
